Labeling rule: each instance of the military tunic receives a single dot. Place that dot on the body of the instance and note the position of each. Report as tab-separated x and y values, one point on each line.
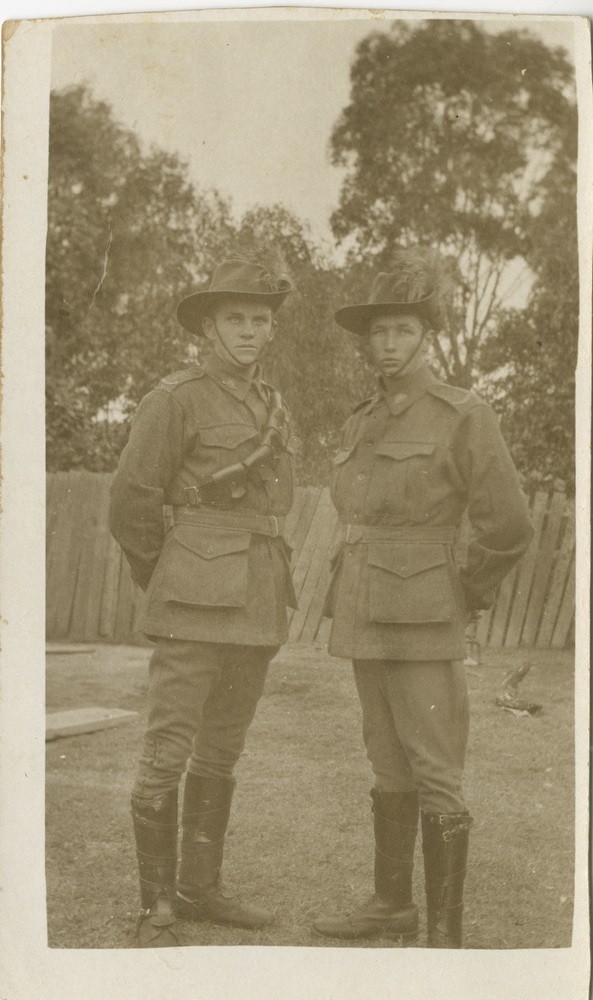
220	573
413	458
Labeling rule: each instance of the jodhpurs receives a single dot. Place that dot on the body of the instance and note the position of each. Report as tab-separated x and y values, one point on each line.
415	727
201	701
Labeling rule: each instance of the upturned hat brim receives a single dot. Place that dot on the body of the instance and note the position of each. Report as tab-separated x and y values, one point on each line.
356	319
191	310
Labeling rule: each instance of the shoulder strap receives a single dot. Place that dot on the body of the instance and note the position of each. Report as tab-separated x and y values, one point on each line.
461	399
180	377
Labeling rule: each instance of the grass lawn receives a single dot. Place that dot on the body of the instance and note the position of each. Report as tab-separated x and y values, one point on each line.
300	837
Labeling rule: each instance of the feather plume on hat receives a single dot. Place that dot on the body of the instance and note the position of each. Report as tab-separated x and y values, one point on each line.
419	272
271	260
419	281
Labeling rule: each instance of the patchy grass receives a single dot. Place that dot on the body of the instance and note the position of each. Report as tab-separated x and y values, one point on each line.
300	836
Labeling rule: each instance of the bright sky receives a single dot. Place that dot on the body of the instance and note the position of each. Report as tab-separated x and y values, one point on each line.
250	106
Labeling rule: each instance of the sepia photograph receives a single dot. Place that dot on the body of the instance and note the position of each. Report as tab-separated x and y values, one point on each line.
314	497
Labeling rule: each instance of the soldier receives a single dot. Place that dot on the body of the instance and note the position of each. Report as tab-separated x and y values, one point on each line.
214	443
413	458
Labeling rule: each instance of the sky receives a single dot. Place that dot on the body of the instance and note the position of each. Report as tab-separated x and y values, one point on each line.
249	105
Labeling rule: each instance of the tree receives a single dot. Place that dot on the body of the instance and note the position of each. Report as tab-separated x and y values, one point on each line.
532	359
445	141
127	235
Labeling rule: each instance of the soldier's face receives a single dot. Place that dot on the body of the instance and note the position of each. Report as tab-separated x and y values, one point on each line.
393	341
240	329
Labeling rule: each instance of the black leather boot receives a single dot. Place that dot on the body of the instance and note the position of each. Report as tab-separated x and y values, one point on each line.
445	841
155	830
200	892
390	912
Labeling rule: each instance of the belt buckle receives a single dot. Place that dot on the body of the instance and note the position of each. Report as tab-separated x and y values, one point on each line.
195	500
276	527
347	534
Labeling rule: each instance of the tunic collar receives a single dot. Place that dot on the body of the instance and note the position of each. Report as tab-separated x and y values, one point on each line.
234	379
399	393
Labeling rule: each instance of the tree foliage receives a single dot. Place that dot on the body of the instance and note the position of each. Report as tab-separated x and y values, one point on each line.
447	135
128	237
122	245
533	358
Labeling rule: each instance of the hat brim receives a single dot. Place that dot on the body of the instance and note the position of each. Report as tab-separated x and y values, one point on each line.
192	309
356	319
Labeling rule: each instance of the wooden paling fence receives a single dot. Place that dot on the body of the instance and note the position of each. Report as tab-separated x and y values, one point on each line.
91	597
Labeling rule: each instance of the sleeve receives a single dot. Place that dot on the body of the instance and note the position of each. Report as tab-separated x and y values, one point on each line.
149	461
497	508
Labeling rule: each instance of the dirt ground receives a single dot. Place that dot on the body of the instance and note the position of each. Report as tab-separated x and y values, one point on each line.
300	836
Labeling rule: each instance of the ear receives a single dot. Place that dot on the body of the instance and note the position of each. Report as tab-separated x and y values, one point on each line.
208	327
272	332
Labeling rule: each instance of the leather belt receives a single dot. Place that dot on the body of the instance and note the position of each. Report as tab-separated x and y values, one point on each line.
241	520
354	533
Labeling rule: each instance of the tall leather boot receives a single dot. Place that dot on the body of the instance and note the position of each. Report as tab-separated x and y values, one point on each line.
445	841
200	892
390	912
155	831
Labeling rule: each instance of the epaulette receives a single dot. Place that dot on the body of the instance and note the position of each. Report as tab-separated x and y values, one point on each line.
461	399
366	402
185	375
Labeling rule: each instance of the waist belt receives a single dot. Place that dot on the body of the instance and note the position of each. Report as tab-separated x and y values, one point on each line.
354	533
242	520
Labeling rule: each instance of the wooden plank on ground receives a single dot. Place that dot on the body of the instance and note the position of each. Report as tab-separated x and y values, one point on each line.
316	602
110	593
565	619
64	570
526	570
501	614
557	586
322	527
76	721
547	548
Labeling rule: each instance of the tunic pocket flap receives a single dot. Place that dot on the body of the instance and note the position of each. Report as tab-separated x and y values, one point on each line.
410	584
405	560
401	450
227	435
205	567
212	543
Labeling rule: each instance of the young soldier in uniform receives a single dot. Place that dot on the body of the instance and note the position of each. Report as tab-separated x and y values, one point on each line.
413	458
213	442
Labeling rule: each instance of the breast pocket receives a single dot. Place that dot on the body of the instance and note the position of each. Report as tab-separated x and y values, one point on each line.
410	583
401	477
206	567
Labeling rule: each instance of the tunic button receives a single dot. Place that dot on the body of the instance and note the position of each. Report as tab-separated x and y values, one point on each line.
210	548
361	476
